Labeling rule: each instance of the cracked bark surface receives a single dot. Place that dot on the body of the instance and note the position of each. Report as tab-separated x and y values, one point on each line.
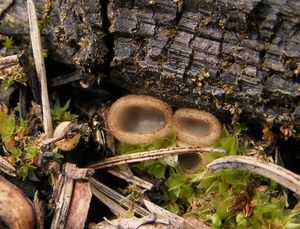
234	58
228	57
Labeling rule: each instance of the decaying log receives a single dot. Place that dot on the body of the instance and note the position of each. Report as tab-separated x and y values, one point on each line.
234	58
229	57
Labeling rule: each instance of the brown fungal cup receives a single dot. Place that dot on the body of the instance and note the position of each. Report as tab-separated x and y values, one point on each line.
196	128
189	162
137	119
16	211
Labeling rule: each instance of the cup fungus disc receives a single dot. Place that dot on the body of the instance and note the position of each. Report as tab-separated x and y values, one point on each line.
189	162
196	128
137	119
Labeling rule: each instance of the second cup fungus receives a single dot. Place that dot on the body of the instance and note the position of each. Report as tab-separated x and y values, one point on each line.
196	128
189	162
138	119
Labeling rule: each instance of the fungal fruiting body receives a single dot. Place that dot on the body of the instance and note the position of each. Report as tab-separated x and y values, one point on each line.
66	144
194	128
138	119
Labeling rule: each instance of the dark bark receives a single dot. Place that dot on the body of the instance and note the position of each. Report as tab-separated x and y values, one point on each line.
228	57
234	58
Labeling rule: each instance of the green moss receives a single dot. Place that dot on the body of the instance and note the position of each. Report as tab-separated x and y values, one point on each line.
156	168
167	141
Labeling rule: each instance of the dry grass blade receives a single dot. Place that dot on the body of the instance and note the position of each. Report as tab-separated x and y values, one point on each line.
64	199
115	208
9	61
36	42
269	170
150	155
174	219
126	174
6	167
123	201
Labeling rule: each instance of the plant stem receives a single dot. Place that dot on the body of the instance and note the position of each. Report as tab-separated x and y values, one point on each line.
40	66
150	155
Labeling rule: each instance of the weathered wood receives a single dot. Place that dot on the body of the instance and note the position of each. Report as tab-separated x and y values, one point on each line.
72	29
238	59
229	57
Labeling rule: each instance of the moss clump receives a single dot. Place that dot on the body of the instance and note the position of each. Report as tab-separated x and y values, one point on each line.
168	141
156	168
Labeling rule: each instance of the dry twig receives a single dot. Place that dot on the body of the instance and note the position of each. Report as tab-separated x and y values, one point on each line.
126	174
40	66
150	155
123	201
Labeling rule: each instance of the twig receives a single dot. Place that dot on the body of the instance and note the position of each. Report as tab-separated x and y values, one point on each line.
5	7
269	170
174	219
22	101
40	66
9	61
64	199
129	177
123	201
115	208
68	78
150	155
6	167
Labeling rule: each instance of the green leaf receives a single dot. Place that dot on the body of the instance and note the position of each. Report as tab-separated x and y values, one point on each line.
6	83
167	141
22	129
179	187
241	221
216	221
31	173
31	153
7	126
8	42
157	169
59	113
23	171
27	170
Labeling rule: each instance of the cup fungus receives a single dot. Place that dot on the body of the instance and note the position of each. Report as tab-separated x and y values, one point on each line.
189	162
138	119
16	211
196	128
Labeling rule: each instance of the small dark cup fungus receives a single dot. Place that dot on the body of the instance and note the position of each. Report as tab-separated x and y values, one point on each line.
196	128
138	119
16	211
189	162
